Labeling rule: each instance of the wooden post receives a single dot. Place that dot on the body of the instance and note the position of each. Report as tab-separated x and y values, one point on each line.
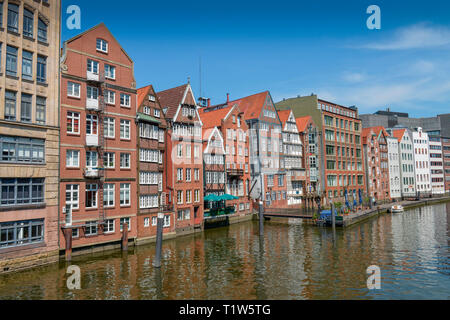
68	238
261	218
159	240
125	237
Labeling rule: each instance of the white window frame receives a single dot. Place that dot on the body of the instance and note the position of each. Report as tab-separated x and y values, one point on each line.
102	44
108	69
107	123
126	99
105	193
146	222
71	164
108	224
126	125
73	189
74	116
126	156
71	92
125	188
122	221
108	95
91	66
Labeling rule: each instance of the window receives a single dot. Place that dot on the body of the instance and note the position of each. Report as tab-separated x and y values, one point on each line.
42	30
1	14
166	222
109	128
179	174
41	73
92	66
197	174
92	93
17	149
75	233
125	194
109	160
91	195
91	159
108	195
110	71
73	89
25	107
11	61
125	162
110	97
196	195
125	129
27	65
13	17
91	124
20	233
179	197
125	100
102	45
72	195
10	105
28	23
109	226
123	221
21	191
188	175
148	201
146	222
157	113
72	158
41	104
188	196
91	228
73	122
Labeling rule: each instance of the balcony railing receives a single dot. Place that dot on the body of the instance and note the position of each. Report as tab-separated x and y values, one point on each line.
235	172
92	140
91	173
92	104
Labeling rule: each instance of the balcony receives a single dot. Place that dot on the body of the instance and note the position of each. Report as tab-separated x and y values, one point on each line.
91	173
166	208
235	172
92	104
92	140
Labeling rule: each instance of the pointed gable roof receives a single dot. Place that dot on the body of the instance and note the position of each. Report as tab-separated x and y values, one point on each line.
142	93
98	26
399	134
284	116
251	105
303	122
172	99
214	118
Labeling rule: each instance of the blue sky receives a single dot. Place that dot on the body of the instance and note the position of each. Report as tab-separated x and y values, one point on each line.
288	47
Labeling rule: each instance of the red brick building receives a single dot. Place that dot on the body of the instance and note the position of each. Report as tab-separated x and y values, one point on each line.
229	121
446	159
265	148
376	163
311	157
184	157
98	140
153	195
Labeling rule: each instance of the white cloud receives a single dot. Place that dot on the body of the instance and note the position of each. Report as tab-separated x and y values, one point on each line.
423	66
353	77
413	37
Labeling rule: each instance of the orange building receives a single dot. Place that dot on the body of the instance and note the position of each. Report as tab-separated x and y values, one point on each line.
228	123
376	160
98	140
184	157
265	148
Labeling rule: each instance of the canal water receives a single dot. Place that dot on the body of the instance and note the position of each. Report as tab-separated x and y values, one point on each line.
292	261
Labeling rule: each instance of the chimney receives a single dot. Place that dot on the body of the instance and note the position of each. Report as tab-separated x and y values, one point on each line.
209	102
228	98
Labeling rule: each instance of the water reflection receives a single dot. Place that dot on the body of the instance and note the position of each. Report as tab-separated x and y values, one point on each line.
292	261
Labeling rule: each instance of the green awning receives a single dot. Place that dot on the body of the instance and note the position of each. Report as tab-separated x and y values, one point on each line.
212	198
145	117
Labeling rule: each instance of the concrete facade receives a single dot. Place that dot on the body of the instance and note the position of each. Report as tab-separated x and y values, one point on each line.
436	165
421	148
407	163
29	133
394	167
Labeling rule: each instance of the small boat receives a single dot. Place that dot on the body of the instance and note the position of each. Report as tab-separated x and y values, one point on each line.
397	209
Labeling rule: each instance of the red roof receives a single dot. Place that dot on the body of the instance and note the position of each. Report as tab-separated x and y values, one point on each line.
141	93
303	122
214	118
398	134
284	116
171	99
251	105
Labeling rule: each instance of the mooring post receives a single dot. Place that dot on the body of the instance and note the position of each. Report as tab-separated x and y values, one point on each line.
125	237
261	218
333	217
159	240
68	238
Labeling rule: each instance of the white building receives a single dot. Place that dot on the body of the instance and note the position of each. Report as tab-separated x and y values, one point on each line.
421	147
407	165
436	166
394	167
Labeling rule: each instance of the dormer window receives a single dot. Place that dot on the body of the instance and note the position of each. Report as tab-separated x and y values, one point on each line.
151	98
102	45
